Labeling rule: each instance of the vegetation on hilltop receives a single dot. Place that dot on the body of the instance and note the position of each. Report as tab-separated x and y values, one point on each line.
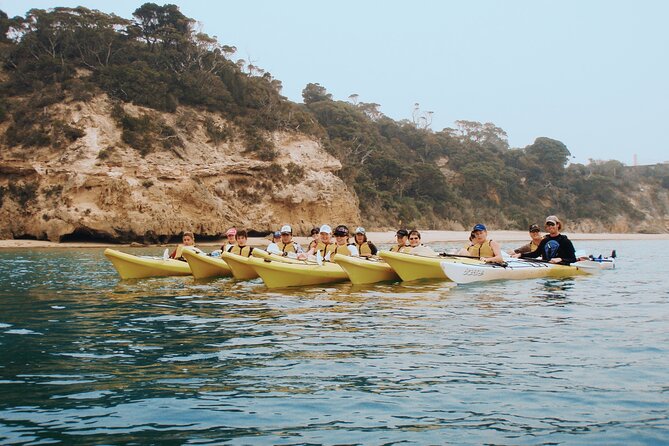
402	171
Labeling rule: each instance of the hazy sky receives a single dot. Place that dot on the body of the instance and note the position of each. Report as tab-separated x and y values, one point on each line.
592	74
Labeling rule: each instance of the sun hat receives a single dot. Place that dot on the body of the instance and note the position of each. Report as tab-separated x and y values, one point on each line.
534	228
231	231
479	227
286	229
325	228
360	230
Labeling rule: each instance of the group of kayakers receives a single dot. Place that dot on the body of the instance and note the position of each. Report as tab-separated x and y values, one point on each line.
554	247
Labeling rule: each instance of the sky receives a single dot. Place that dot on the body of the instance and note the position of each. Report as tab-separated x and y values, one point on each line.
593	74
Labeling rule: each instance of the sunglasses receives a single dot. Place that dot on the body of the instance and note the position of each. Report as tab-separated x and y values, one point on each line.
550	223
414	238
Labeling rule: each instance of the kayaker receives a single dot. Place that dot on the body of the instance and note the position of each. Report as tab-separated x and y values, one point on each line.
487	250
554	247
401	236
414	239
535	239
230	242
285	246
314	238
273	246
365	247
188	242
342	246
325	244
241	248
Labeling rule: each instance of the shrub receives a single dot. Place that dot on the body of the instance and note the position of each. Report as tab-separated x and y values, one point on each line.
23	193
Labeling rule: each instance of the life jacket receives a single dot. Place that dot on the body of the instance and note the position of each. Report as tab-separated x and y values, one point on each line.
533	246
400	248
482	250
365	249
325	249
225	247
342	250
244	251
287	247
313	244
178	253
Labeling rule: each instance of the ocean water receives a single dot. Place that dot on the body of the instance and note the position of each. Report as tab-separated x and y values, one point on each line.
86	358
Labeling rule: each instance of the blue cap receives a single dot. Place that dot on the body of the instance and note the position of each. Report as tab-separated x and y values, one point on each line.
277	234
479	227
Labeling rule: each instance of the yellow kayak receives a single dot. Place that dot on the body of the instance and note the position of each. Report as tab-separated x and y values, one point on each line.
205	266
240	266
262	254
134	267
277	274
363	271
414	267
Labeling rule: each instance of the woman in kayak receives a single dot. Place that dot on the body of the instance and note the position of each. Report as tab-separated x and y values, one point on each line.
241	249
188	240
285	246
325	244
555	247
402	235
342	245
487	250
314	238
535	239
365	247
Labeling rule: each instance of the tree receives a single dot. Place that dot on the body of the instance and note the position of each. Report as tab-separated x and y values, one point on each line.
315	93
553	154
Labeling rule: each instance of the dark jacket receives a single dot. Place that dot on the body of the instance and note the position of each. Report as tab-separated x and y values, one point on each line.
551	247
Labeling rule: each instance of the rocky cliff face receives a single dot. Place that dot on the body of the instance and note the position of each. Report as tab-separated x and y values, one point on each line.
100	188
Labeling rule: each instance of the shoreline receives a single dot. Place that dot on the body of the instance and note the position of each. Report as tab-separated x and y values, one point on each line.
387	237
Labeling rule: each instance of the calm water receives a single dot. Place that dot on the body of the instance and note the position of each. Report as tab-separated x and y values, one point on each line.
86	358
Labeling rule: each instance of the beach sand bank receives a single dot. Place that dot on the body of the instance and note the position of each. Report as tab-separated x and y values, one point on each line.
378	238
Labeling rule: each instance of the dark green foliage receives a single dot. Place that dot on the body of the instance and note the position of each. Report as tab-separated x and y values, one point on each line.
217	134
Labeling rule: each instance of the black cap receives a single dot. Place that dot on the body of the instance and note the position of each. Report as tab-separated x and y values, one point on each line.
341	231
402	233
315	231
534	228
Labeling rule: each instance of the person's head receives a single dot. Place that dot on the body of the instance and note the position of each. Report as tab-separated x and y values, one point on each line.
286	233
401	236
341	234
535	232
553	224
276	236
325	232
360	235
314	233
480	233
472	236
230	234
414	238
241	236
188	239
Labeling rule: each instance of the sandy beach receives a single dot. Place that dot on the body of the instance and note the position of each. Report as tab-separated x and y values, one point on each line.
377	237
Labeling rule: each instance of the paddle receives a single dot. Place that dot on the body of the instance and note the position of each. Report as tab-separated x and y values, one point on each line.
166	254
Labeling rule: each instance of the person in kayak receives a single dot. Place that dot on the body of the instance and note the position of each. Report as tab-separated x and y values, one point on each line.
365	247
273	246
414	239
554	247
230	242
325	244
285	246
314	238
240	248
342	246
487	250
535	239
188	242
401	236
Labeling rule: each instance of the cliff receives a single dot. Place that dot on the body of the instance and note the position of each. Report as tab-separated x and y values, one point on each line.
99	188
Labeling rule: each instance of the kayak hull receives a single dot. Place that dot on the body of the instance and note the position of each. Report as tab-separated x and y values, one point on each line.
240	266
414	267
362	271
277	274
131	266
262	254
203	266
516	269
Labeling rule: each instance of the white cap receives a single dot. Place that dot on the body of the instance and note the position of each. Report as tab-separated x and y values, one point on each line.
286	229
327	229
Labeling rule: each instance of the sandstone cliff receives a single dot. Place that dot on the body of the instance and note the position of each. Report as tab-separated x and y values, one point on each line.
100	188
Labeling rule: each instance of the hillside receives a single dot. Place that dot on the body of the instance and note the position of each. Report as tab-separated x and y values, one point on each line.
140	129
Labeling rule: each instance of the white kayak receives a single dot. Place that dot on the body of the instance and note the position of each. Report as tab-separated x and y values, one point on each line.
513	269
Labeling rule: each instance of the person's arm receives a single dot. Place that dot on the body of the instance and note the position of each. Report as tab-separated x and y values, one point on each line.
273	248
373	248
354	250
523	249
567	253
298	248
536	253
